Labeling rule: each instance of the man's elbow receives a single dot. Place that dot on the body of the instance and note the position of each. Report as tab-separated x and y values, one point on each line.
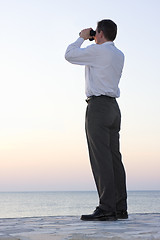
67	57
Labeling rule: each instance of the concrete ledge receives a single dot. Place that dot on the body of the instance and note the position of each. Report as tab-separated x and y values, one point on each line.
137	227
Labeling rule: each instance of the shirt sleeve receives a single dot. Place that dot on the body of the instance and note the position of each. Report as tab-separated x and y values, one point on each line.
77	55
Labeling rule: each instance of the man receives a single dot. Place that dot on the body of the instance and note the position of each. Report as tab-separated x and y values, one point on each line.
103	68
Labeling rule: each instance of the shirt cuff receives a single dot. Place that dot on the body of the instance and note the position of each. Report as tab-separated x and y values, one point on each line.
80	40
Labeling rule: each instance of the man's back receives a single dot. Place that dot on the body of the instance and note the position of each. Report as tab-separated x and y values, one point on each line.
104	64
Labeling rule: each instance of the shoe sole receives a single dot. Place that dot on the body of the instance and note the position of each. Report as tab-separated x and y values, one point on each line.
122	218
100	219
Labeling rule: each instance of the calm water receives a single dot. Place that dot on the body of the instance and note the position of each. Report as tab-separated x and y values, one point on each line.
34	204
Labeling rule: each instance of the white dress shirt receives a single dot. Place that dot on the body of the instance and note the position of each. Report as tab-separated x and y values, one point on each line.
103	66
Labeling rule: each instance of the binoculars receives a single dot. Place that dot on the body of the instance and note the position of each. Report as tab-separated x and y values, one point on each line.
92	34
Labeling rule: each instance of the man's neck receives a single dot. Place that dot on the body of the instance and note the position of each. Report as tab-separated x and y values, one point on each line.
103	40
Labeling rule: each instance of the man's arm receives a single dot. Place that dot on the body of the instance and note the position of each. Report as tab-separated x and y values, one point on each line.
77	55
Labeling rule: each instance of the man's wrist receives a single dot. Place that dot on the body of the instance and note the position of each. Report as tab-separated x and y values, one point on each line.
82	36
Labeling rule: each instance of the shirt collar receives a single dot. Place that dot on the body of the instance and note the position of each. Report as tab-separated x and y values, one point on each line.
108	43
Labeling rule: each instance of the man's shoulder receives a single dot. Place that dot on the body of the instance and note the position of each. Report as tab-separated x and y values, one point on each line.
95	48
115	49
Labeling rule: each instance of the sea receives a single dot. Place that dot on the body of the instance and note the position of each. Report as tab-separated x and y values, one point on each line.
70	203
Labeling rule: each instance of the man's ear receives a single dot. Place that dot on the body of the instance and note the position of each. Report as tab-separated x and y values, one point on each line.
101	34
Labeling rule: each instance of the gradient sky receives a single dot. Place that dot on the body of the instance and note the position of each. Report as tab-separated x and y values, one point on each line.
42	99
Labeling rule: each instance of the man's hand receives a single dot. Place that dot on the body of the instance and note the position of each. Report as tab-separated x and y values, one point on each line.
85	33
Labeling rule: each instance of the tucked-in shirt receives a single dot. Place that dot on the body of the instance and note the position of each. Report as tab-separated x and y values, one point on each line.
103	66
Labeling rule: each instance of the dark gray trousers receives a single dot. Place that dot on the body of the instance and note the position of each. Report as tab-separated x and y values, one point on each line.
103	119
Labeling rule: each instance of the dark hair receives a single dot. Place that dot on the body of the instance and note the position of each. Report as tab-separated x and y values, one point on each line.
109	29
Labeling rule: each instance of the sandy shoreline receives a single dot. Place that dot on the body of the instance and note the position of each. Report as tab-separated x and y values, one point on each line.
137	227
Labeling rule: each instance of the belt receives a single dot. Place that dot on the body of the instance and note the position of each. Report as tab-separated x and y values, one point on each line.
100	96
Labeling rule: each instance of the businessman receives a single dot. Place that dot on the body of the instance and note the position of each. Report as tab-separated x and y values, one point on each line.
103	68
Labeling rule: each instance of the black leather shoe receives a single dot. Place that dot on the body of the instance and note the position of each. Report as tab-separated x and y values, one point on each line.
122	214
100	215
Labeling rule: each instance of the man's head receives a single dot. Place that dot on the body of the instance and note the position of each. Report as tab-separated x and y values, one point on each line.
106	31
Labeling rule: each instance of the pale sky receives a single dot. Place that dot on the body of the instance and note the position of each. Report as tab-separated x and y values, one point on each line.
42	99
